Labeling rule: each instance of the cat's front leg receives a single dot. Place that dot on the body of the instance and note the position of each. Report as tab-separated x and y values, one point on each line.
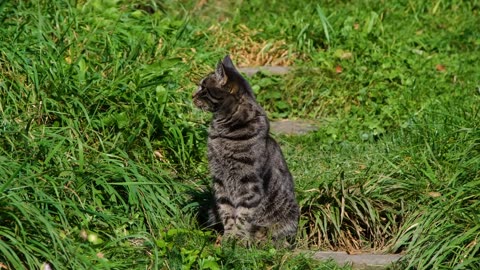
228	216
239	224
247	225
225	208
249	209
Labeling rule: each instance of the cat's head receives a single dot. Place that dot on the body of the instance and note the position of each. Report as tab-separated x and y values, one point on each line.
221	88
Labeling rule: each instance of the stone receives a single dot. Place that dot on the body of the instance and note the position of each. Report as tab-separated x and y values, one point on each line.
361	261
272	70
293	127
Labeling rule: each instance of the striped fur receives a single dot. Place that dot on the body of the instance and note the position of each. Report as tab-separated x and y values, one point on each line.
253	188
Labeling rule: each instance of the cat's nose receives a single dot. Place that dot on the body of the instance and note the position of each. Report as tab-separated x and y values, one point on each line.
195	93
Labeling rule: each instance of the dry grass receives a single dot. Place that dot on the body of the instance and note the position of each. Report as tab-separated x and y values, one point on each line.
250	50
244	43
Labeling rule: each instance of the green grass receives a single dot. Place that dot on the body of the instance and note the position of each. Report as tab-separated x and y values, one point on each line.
102	155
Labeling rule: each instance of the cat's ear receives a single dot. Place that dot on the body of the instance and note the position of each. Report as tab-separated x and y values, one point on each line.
231	73
227	62
221	74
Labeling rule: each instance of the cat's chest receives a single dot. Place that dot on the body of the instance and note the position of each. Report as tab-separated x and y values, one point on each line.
227	155
220	149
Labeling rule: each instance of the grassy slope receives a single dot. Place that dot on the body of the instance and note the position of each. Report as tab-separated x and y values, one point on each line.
102	156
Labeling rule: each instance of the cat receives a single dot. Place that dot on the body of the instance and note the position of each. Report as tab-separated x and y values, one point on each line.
253	190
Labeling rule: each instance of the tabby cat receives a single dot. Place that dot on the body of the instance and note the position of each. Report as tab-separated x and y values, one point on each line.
253	189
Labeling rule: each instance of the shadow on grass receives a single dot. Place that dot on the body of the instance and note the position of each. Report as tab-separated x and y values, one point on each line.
204	208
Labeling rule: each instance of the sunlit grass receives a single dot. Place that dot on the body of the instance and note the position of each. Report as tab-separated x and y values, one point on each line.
102	156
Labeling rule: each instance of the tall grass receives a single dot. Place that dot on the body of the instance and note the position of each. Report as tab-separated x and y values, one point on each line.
443	231
414	190
87	99
102	157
